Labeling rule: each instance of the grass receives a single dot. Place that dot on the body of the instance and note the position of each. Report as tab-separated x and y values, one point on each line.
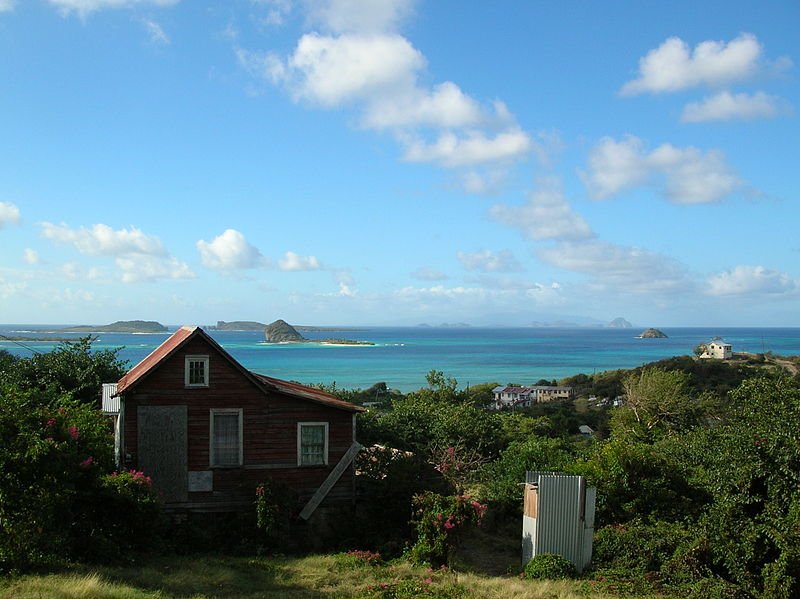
320	576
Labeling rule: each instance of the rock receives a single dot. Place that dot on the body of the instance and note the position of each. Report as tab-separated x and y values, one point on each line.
281	331
619	323
652	334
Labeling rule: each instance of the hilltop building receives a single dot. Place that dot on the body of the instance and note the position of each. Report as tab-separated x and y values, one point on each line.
512	397
717	350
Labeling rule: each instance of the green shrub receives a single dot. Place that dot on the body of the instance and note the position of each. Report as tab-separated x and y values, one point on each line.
549	566
438	521
56	501
275	502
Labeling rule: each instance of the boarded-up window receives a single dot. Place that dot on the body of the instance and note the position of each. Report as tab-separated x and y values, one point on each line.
226	437
312	444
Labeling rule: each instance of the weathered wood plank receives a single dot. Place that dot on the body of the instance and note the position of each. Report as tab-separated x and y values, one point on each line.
334	476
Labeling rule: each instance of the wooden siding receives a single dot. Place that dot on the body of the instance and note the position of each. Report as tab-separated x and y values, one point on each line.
269	430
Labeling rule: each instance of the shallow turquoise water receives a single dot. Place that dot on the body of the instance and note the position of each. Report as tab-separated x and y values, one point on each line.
402	356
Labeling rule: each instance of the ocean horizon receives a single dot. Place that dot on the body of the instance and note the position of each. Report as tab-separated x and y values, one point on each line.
402	356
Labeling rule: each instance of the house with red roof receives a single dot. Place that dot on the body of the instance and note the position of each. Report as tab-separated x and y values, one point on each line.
208	431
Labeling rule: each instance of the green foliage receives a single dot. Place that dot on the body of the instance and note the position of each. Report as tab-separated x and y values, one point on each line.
436	417
357	559
637	546
72	368
55	500
274	504
412	589
438	520
549	566
501	478
640	481
657	403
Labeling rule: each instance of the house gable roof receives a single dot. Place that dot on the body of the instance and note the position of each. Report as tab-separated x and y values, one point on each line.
184	334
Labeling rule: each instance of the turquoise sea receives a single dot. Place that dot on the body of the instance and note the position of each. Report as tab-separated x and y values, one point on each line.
402	356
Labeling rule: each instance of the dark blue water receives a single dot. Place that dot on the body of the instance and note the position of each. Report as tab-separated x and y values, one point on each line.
402	356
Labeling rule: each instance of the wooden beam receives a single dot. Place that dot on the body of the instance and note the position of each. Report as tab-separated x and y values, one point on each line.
332	479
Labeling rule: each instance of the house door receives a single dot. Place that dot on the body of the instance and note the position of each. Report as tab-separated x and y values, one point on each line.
162	449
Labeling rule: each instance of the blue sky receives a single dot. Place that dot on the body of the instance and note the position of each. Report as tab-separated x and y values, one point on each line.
396	162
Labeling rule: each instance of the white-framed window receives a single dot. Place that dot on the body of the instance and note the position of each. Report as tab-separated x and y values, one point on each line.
312	443
225	437
196	371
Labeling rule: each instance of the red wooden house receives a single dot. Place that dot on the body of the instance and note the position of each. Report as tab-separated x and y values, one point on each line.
208	431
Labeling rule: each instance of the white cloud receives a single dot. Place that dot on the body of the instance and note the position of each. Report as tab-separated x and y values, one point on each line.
31	256
619	268
440	291
9	213
229	251
295	262
84	7
489	261
489	181
9	289
75	272
683	175
673	66
450	150
346	290
546	215
428	274
752	280
136	268
725	106
443	106
7	5
332	71
361	61
156	32
103	240
276	11
348	16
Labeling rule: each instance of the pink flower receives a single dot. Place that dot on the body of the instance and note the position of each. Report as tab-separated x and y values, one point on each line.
73	432
87	462
428	580
449	524
51	423
451	451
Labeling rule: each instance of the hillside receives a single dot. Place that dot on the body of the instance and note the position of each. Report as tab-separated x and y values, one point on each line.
239	325
281	331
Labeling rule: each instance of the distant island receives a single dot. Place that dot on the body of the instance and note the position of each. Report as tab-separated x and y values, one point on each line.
238	325
121	326
619	323
281	331
652	334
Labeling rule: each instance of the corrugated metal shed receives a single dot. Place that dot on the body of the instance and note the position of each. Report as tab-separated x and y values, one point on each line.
110	402
558	517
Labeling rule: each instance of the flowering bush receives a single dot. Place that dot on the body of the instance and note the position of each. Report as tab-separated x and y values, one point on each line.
357	558
438	519
55	499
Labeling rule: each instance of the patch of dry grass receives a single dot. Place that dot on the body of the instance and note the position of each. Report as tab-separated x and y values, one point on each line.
320	576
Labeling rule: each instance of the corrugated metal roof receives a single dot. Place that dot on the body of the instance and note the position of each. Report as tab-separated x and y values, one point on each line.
298	390
185	333
158	355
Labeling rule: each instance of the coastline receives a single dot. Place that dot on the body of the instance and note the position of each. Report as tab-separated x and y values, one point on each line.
402	356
